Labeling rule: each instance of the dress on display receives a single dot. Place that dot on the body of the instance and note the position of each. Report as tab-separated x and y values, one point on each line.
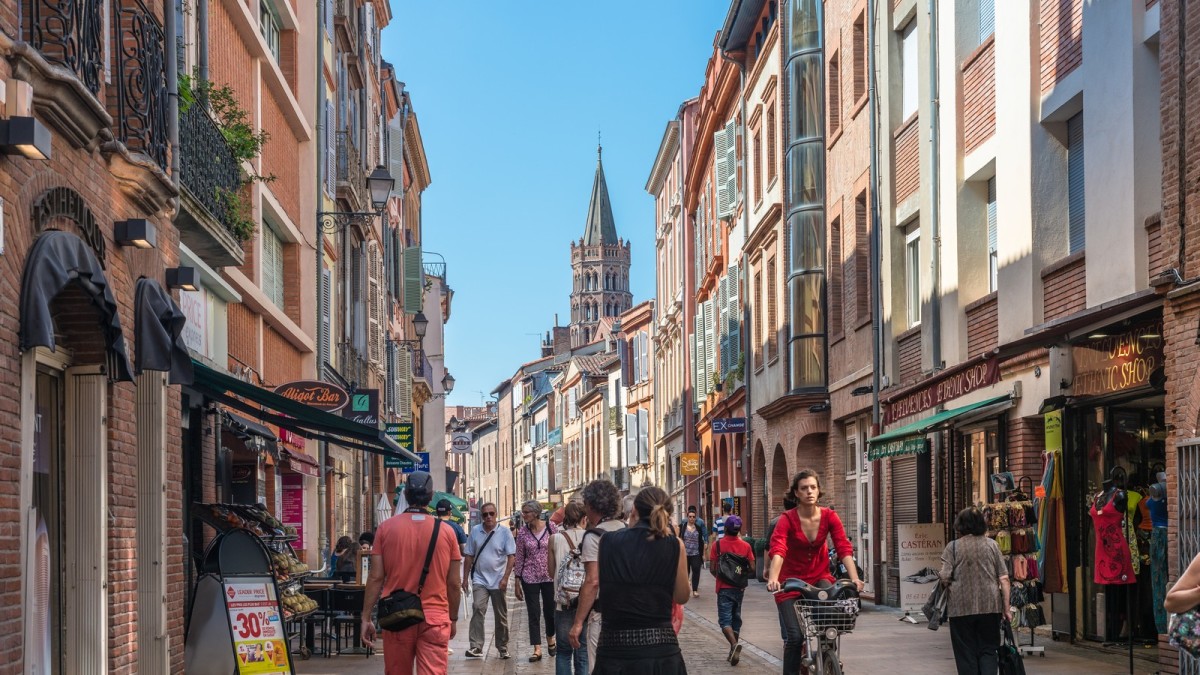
1158	558
1114	563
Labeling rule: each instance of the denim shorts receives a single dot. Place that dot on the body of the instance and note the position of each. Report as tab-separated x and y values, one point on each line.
729	608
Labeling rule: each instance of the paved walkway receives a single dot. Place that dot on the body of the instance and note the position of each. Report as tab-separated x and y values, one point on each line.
880	643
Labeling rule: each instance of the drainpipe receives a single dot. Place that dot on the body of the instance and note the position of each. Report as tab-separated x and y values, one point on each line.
172	67
935	265
202	33
876	281
322	126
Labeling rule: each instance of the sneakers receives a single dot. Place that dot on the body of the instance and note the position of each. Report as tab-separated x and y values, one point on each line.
735	655
504	654
473	653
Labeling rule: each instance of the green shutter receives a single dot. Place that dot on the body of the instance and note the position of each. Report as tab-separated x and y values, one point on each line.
414	279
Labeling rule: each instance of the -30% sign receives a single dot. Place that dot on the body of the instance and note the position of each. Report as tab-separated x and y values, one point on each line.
249	624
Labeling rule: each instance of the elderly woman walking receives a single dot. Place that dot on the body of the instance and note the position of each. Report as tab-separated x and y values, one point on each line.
974	571
537	584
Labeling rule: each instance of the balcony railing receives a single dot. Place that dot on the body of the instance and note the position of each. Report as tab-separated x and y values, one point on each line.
207	168
140	99
351	178
436	269
421	368
69	33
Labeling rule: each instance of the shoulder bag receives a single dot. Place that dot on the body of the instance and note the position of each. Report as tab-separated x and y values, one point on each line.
402	609
1183	631
732	568
475	558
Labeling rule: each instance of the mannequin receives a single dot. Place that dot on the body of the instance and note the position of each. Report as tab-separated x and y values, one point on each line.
1114	563
1156	504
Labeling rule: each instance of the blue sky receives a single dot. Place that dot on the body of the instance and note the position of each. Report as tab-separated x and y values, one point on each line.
510	96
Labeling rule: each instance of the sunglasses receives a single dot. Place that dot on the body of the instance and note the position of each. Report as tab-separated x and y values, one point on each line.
489	514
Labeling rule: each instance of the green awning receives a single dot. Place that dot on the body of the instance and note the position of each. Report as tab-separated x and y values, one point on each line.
294	416
910	438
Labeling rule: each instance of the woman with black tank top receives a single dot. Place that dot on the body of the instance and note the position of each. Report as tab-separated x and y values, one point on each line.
643	572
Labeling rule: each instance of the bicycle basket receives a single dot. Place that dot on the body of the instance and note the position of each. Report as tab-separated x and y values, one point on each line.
818	615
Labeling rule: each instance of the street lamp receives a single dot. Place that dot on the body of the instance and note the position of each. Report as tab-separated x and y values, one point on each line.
379	185
448	382
420	325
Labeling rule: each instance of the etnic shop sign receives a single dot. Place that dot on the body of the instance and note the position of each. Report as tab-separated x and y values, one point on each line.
1113	363
320	395
980	375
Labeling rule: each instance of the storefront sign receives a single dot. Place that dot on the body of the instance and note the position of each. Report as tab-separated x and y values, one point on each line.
1117	362
302	463
259	641
422	465
729	425
291	512
978	376
320	395
555	436
363	408
1054	429
689	464
460	443
194	305
921	549
402	433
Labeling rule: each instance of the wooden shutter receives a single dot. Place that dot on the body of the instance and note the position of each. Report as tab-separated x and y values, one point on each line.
645	356
85	527
721	143
772	312
862	256
326	317
710	338
404	385
834	93
396	151
374	305
643	427
330	148
699	353
1075	183
631	439
731	169
756	295
723	324
328	8
734	317
836	273
390	382
414	279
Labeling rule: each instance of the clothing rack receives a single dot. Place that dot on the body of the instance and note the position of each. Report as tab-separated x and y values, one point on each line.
1012	523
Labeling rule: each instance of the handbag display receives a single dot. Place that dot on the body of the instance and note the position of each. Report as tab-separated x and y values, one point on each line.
1184	631
402	609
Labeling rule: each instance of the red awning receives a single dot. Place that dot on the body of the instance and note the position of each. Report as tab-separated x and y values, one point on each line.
302	463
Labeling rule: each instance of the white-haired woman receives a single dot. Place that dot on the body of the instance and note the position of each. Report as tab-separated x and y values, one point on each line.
537	583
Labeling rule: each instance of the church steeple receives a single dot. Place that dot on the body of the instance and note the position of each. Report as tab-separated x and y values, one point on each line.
600	227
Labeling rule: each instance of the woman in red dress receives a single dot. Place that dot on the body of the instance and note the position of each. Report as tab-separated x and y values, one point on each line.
799	549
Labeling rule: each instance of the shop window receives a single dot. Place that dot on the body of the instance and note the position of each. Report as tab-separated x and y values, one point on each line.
44	644
983	456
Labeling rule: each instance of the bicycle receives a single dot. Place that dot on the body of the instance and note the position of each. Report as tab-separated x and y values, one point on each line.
825	614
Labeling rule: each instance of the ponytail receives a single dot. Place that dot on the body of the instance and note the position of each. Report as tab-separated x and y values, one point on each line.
653	504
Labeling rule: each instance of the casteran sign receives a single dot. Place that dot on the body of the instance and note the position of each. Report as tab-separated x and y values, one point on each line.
1117	362
320	395
983	374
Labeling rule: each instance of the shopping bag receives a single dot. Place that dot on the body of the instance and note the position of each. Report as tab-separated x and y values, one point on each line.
1009	656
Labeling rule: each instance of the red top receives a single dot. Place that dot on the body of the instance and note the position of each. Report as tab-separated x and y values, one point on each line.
736	546
401	543
804	559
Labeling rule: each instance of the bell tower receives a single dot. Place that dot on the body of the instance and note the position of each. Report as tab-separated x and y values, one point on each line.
599	266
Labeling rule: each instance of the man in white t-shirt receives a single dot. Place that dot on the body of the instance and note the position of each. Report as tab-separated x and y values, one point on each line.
602	502
489	554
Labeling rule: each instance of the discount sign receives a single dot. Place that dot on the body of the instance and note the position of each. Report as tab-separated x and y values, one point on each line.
260	643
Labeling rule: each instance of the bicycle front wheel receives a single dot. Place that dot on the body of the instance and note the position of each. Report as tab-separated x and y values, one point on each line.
832	664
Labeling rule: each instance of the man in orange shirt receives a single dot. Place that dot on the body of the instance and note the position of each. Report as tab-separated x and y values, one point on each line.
399	541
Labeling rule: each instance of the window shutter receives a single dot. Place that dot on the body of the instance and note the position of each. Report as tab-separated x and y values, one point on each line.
374	337
731	168
1075	183
699	382
328	17
268	263
280	279
734	318
643	437
414	279
645	356
330	148
326	316
908	63
721	143
993	237
987	19
723	322
396	152
390	382
710	339
631	439
404	385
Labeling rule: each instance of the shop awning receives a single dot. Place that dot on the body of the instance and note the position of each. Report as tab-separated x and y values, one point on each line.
242	426
910	438
158	333
293	416
301	462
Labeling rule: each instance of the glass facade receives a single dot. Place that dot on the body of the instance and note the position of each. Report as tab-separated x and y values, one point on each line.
806	192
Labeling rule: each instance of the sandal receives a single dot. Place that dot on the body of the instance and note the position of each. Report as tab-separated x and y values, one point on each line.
552	648
537	656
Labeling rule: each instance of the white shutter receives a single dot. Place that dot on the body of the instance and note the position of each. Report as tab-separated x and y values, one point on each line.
643	437
645	356
710	339
631	439
85	525
326	317
723	322
734	317
374	304
908	76
390	381
731	162
331	148
404	385
721	143
701	352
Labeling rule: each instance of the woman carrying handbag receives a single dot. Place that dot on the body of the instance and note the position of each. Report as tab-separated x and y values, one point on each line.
975	574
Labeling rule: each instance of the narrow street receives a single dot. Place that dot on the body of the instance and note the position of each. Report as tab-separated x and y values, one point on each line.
881	643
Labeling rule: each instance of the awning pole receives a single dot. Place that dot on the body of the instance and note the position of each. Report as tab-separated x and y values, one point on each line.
322	525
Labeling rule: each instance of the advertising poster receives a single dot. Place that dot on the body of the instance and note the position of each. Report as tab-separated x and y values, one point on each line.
259	641
921	549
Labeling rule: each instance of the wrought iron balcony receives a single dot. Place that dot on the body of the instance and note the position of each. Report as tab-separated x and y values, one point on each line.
436	269
351	178
139	101
345	23
208	172
69	33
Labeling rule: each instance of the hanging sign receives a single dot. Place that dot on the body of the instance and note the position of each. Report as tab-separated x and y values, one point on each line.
1054	428
978	376
402	433
320	395
260	643
1113	363
689	464
460	443
363	408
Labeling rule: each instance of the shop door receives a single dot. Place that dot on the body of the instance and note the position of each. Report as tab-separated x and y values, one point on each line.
903	489
44	650
858	497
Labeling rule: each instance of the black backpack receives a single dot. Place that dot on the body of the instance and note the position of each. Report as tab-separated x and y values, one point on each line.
732	568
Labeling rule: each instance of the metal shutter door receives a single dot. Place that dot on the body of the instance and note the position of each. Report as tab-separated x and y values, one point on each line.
1075	183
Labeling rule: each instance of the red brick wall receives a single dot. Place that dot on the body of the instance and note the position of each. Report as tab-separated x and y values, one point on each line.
983	332
908	159
281	157
979	95
229	62
1064	287
1156	252
1026	444
1061	39
908	348
281	361
244	330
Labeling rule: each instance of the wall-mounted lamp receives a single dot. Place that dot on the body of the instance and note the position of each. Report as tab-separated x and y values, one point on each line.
136	232
819	407
861	391
183	278
24	136
420	325
380	184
